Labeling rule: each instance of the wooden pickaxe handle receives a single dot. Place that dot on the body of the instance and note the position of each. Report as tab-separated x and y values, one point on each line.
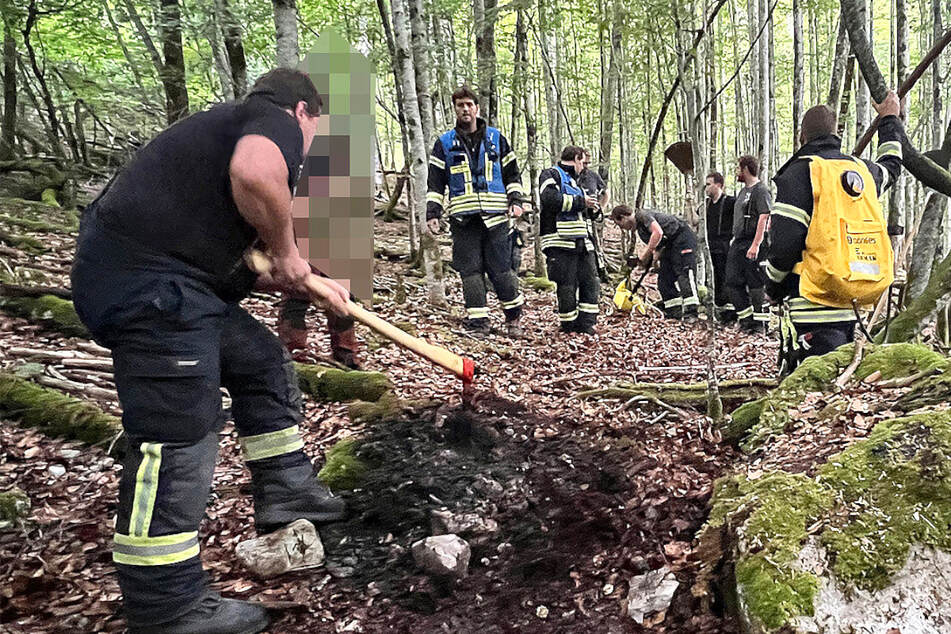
460	366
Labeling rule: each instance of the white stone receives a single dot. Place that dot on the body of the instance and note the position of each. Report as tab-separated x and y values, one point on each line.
651	592
476	529
294	547
443	555
56	470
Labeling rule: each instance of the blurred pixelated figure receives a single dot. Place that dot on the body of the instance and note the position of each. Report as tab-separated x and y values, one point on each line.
333	204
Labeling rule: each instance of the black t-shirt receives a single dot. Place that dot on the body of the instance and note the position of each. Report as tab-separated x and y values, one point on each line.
174	197
720	219
670	225
590	182
751	203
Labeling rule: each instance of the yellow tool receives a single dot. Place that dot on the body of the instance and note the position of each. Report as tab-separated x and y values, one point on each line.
628	300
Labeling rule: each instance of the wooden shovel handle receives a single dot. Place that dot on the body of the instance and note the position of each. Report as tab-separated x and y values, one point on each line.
460	366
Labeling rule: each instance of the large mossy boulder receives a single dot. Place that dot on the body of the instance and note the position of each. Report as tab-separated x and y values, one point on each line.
863	546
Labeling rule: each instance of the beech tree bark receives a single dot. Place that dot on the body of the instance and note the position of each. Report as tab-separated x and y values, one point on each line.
285	28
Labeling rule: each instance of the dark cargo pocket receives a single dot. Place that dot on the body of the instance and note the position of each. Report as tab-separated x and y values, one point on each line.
173	398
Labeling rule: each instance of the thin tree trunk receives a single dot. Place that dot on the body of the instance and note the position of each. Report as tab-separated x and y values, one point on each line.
798	77
838	67
896	198
764	94
432	261
607	97
484	13
287	51
80	131
937	84
220	57
173	76
861	88
231	30
926	244
847	88
421	65
442	96
9	126
125	53
548	38
526	82
41	81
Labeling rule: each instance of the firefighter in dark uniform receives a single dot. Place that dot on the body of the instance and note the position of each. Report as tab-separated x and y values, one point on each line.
675	243
744	273
816	329
157	278
477	165
719	232
566	240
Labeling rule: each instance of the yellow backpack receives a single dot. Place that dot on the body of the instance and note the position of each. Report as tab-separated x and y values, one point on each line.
848	252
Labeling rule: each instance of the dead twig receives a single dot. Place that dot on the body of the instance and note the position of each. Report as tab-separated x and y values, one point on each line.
850	370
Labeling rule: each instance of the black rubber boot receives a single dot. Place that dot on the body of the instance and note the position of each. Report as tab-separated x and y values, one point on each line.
211	615
758	299
283	494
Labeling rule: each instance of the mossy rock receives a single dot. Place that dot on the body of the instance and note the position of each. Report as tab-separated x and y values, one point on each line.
52	311
330	384
813	375
14	506
387	407
867	509
49	197
900	360
40	212
538	283
343	469
54	413
896	486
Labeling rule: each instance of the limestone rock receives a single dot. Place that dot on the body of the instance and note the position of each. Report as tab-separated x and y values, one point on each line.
294	547
650	593
443	555
475	528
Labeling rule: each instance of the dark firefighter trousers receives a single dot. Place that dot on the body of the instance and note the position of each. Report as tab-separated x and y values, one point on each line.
746	280
719	250
575	273
677	278
174	344
478	250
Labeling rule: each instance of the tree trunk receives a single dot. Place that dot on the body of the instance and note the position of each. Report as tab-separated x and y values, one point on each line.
896	197
125	53
607	97
938	84
798	76
484	14
926	244
9	126
442	96
173	75
220	57
231	30
80	131
421	65
838	67
764	94
432	261
861	88
526	81
57	148
547	35
921	312
285	28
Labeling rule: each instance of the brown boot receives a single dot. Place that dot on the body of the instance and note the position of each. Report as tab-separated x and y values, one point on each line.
343	340
291	325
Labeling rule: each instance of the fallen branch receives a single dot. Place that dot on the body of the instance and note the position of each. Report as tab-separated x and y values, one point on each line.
18	290
685	393
72	386
850	370
905	381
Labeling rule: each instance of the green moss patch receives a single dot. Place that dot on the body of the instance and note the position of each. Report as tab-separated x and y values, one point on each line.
331	384
14	505
900	360
343	469
54	413
538	283
895	490
775	512
387	407
52	311
815	374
